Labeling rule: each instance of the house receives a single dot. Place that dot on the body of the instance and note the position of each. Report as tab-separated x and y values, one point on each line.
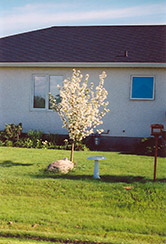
134	58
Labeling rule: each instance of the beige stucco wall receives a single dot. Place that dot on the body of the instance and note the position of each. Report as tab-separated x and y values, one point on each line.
126	117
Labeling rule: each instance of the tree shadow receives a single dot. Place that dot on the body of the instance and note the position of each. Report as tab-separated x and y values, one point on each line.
8	163
104	178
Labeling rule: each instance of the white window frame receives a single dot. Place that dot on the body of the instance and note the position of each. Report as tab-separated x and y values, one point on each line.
143	76
47	76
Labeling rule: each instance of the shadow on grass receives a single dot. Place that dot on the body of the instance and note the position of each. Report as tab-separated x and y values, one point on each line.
104	178
11	164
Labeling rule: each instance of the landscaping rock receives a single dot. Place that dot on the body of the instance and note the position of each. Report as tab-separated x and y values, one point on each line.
62	166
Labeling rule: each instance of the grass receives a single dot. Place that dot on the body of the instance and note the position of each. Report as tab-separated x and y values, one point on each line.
56	207
4	240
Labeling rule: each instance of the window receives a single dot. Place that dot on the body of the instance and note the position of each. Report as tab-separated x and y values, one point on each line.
42	85
142	88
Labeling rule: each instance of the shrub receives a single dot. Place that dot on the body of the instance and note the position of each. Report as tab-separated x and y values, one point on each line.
13	132
35	138
12	136
9	143
28	143
35	134
81	147
2	136
2	143
20	143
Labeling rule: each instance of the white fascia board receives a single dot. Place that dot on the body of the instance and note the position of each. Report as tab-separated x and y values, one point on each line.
83	64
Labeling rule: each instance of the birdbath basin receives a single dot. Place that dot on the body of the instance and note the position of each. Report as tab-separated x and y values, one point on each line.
96	165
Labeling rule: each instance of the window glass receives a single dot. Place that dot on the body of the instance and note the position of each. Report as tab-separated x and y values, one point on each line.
42	85
142	88
54	81
40	89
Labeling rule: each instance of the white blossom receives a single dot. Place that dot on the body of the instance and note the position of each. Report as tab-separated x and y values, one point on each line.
81	108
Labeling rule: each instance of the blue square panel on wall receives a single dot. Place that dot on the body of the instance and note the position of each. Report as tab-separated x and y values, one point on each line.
142	88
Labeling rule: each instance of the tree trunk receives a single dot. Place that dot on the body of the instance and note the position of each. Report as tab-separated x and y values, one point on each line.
72	152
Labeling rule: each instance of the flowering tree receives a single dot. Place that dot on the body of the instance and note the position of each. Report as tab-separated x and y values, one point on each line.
81	108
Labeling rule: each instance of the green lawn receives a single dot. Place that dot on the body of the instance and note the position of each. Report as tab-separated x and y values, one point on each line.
77	207
22	241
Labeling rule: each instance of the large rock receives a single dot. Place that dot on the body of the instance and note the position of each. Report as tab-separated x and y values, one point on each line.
62	166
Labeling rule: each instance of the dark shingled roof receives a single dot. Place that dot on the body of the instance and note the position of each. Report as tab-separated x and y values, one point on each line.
87	44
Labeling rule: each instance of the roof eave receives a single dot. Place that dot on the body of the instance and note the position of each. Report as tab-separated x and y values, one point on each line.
83	64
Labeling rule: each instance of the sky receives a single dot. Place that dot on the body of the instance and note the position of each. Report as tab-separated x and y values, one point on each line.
18	16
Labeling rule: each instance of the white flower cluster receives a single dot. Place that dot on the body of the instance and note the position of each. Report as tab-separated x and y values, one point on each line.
81	108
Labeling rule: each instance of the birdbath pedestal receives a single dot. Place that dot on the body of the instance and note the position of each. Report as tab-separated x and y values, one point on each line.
96	165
